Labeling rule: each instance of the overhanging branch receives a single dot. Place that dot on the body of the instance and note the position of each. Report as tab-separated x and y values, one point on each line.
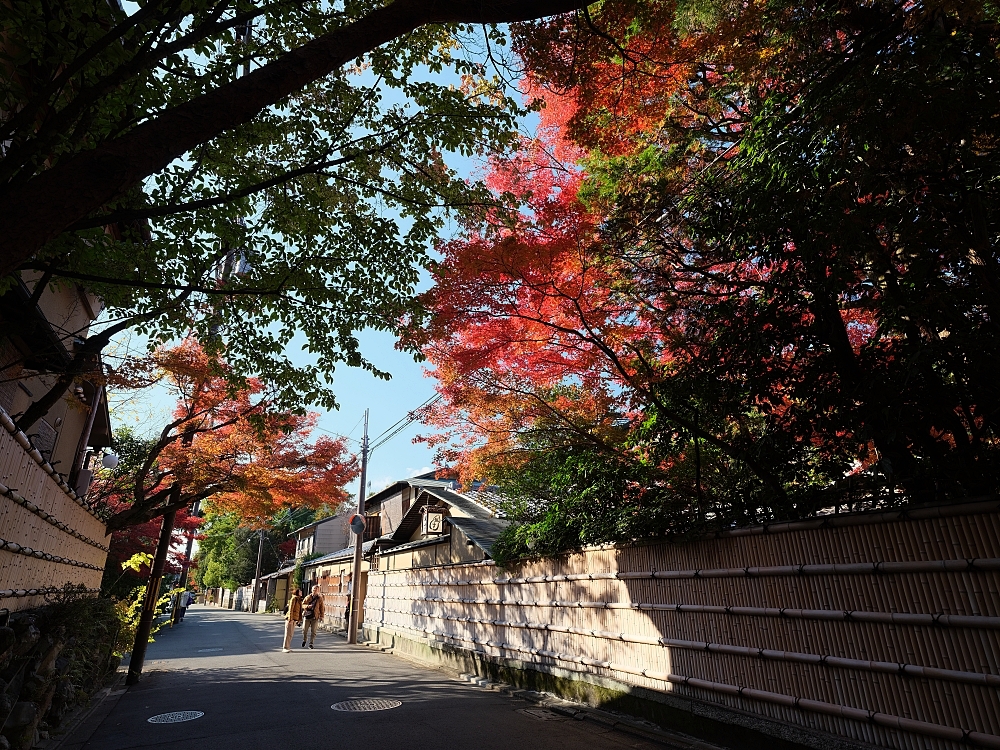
58	198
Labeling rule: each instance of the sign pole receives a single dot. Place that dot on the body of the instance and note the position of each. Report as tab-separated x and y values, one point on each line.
352	627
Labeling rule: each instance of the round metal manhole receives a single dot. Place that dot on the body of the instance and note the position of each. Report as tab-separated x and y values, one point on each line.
175	717
206	650
367	704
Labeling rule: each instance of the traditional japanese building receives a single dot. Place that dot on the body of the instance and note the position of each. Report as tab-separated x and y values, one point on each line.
411	523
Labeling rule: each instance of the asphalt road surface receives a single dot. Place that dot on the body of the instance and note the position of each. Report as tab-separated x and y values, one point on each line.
229	666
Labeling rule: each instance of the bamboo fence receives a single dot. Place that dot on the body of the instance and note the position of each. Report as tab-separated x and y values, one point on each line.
881	628
336	593
49	537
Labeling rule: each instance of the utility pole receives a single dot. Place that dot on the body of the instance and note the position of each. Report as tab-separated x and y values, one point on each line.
352	627
195	509
256	576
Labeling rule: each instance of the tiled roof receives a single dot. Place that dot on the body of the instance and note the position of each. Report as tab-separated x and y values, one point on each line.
424	480
278	573
466	503
315	523
488	498
410	520
340	554
483	532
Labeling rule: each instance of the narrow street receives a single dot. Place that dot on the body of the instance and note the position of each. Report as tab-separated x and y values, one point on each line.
229	665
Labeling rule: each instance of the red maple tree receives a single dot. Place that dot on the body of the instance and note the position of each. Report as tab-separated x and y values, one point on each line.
226	448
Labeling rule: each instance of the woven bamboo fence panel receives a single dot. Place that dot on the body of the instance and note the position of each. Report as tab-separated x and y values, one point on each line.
48	535
883	629
336	593
335	587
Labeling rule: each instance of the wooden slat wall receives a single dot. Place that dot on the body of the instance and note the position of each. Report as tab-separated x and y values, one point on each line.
531	614
336	591
31	478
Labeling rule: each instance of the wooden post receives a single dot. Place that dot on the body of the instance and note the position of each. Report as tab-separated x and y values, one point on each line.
186	565
155	576
81	447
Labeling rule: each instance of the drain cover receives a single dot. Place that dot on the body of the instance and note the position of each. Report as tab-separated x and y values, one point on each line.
366	704
175	717
206	650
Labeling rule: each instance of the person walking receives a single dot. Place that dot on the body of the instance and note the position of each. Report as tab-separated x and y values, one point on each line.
183	602
293	617
312	615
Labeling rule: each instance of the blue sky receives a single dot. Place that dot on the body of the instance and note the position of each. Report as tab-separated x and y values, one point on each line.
387	401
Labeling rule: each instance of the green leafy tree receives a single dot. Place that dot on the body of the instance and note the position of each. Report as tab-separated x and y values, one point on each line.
227	553
258	175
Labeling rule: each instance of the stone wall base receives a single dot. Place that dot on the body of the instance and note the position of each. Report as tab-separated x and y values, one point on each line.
707	721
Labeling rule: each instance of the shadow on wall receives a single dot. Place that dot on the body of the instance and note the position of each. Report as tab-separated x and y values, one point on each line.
804	626
879	629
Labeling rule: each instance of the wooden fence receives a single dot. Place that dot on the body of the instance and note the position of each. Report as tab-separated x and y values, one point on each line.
881	628
336	592
48	535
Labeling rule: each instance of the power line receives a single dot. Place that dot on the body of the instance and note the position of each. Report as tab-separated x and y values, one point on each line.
393	430
356	425
337	434
411	417
391	435
340	435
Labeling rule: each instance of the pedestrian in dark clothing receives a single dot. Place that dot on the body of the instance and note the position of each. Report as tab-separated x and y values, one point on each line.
312	615
183	602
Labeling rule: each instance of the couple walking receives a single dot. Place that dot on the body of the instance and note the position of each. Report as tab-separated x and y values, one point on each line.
307	612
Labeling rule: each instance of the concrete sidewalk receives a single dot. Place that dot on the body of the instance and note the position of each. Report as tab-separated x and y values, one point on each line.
230	666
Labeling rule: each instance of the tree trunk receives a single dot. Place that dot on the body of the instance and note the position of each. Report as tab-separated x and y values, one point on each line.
138	656
187	550
899	463
55	199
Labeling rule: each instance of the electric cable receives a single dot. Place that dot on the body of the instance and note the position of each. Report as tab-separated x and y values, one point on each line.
409	415
411	418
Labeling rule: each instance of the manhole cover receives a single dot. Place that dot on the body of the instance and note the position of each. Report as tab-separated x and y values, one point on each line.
366	704
206	650
175	717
